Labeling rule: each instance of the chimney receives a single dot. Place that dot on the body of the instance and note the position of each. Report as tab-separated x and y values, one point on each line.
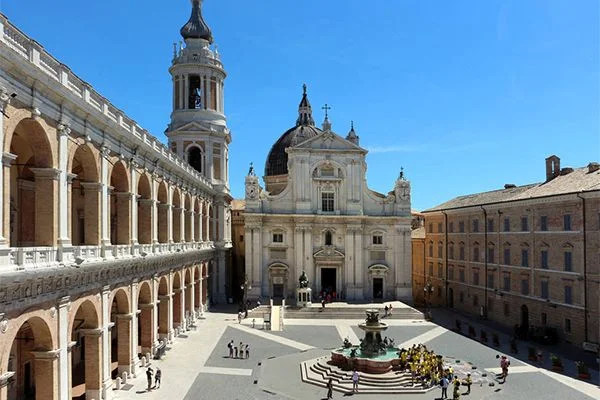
552	167
593	167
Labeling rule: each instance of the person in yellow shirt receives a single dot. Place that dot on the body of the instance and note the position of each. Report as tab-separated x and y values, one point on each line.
468	382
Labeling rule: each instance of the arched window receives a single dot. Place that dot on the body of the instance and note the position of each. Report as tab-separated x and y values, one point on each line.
195	158
328	238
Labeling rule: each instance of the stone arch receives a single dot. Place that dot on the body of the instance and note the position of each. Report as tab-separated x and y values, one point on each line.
33	360
162	196
30	206
177	207
86	353
120	204
145	318
85	197
121	353
144	206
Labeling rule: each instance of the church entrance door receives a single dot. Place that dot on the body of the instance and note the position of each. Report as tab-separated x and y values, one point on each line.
378	288
328	280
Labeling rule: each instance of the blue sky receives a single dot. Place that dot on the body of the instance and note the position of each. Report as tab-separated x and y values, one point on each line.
465	95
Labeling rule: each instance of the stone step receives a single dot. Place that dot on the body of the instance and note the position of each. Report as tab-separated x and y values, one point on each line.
345	313
398	378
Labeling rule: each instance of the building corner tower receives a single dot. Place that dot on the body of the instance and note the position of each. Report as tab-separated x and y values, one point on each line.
198	133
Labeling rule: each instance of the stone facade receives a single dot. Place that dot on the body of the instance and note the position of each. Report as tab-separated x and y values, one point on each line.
317	215
107	235
524	255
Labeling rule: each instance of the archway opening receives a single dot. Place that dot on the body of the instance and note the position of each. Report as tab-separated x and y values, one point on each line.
163	308
177	217
144	206
189	304
177	301
86	353
195	158
145	319
85	198
120	205
188	218
33	188
33	369
120	339
163	213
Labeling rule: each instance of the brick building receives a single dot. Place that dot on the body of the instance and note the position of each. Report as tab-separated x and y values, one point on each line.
522	255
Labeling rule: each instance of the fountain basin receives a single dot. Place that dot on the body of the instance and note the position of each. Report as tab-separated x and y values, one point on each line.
379	364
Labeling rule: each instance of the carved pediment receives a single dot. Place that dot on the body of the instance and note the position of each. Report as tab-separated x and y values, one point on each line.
329	252
328	141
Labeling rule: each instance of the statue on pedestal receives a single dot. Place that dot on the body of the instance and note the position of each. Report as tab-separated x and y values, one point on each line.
303	280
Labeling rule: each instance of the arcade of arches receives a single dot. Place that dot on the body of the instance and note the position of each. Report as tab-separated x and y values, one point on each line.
76	347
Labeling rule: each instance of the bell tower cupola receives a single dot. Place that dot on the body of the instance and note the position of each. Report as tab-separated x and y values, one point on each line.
198	129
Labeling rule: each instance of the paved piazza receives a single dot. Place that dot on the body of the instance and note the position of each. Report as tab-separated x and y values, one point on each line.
198	367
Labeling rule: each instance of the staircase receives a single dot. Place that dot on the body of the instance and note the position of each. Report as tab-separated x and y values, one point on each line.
333	312
318	372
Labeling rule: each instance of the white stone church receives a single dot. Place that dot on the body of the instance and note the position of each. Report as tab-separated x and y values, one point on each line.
316	214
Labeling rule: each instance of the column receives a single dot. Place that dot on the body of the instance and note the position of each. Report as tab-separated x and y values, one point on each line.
103	344
134	199
4	189
209	160
186	91
191	297
148	328
64	364
358	257
7	160
299	252
166	317
200	216
207	227
104	197
170	215
309	266
191	225
97	372
222	221
256	257
124	350
46	188
45	372
134	326
63	209
349	267
222	277
182	223
154	209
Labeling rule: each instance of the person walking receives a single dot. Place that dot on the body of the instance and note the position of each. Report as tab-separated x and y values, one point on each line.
240	317
456	392
157	376
235	351
149	373
468	383
504	363
444	384
247	351
241	350
355	378
330	389
230	346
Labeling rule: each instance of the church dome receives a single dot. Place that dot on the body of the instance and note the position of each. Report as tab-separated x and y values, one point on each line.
305	129
196	28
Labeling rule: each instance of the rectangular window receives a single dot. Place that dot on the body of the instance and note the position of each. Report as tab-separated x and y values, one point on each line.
506	309
568	261
430	250
490	225
440	271
451	227
440	252
476	254
491	255
506	286
461	274
462	253
327	202
525	286
567	325
451	253
490	305
490	281
524	224
431	269
544	290
461	297
278	238
430	228
476	277
377	239
241	238
440	227
506	224
451	273
544	318
524	258
544	259
568	295
475	300
543	223
461	227
475	225
567	222
506	256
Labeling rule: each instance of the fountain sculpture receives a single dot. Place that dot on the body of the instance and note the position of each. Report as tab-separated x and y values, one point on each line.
374	355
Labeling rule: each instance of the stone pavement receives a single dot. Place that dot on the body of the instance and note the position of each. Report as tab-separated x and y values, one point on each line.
197	365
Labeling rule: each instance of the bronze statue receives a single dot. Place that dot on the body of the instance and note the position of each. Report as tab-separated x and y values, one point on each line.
303	280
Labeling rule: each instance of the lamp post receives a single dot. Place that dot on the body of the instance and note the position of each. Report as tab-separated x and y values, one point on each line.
245	287
428	289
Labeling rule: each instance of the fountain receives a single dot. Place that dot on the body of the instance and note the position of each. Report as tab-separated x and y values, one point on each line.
374	355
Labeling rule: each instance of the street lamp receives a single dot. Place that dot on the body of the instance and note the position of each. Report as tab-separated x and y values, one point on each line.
428	289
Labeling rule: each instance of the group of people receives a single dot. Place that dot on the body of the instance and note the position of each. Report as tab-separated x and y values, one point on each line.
388	311
157	376
238	351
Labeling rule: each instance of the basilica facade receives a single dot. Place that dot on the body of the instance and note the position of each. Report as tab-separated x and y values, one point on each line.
317	215
111	243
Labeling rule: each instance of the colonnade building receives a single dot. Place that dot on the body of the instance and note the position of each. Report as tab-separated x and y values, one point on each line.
111	242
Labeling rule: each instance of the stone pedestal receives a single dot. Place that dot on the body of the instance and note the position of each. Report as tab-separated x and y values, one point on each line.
303	297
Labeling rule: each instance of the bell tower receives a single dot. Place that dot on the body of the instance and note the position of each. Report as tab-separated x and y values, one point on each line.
198	130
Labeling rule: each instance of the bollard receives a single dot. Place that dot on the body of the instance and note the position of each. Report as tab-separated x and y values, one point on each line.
118	383
124	379
144	359
148	357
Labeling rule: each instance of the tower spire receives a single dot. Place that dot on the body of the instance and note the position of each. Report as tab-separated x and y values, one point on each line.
305	110
196	28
